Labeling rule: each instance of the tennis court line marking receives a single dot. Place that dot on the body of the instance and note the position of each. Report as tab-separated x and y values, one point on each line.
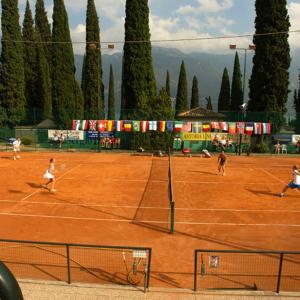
35	192
132	221
152	207
220	182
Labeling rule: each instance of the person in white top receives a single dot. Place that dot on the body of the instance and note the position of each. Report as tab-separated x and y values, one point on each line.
49	175
295	183
16	148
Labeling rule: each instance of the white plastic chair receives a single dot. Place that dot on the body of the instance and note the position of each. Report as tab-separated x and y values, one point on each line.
284	149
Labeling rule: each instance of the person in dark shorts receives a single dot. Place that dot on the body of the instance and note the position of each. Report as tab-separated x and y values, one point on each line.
222	160
295	183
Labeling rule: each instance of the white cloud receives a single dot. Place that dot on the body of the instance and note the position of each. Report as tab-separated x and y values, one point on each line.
206	6
78	36
294	12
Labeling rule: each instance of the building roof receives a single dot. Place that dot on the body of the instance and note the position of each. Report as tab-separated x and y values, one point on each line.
200	113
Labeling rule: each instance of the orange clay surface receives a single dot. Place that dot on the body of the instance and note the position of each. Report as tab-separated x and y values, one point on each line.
121	199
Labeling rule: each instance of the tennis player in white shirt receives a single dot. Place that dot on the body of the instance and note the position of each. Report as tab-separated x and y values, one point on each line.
295	183
16	148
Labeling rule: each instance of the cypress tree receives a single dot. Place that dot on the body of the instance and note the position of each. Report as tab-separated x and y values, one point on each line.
236	87
224	96
12	80
270	78
83	74
138	82
297	109
195	93
111	95
43	26
182	91
66	93
168	88
93	91
209	103
30	65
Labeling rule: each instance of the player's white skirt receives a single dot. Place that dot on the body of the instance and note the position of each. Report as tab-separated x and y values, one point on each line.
48	175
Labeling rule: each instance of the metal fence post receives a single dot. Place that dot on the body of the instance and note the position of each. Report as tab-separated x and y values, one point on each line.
195	270
172	217
68	263
279	273
149	268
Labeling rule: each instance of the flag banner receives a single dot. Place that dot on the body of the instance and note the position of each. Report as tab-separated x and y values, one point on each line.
206	127
75	124
178	126
136	126
232	127
144	126
266	128
249	128
170	126
240	127
257	128
187	127
196	127
162	126
127	126
224	126
93	125
110	125
102	125
119	125
215	126
84	124
153	125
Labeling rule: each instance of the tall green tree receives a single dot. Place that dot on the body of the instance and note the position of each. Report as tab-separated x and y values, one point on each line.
195	93
182	91
237	86
12	89
209	103
43	26
92	73
297	109
111	95
224	95
30	64
138	82
270	78
168	88
66	93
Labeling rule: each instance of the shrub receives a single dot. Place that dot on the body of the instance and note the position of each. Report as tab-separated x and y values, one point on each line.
261	148
26	140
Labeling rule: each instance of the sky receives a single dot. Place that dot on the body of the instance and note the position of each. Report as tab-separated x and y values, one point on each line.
174	19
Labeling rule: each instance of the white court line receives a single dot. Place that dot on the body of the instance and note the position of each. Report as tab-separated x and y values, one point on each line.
152	207
155	222
219	182
35	192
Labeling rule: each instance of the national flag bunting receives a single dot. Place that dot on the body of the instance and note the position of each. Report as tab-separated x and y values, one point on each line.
162	126
266	128
102	125
119	125
240	127
232	127
75	124
257	128
249	128
92	125
153	125
224	126
127	126
136	126
178	126
206	127
215	126
187	127
144	126
197	127
110	125
170	126
83	125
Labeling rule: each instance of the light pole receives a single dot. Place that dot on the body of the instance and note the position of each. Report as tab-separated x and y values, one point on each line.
243	109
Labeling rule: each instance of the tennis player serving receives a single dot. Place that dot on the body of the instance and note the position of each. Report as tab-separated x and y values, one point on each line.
295	183
49	175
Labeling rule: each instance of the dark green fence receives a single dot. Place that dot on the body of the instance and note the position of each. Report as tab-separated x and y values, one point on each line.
275	271
78	262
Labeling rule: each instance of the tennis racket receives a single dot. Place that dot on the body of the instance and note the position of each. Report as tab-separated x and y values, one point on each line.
133	276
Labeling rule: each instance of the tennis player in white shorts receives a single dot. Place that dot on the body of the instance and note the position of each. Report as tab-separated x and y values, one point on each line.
16	148
49	175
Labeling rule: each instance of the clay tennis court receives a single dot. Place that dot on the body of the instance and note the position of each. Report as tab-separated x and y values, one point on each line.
122	199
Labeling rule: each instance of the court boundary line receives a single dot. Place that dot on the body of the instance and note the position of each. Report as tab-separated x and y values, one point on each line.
150	207
59	177
150	221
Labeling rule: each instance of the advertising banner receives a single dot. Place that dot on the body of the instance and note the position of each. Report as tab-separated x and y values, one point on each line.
70	135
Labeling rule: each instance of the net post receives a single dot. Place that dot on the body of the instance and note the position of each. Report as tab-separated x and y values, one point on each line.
195	270
68	263
279	274
149	268
172	217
